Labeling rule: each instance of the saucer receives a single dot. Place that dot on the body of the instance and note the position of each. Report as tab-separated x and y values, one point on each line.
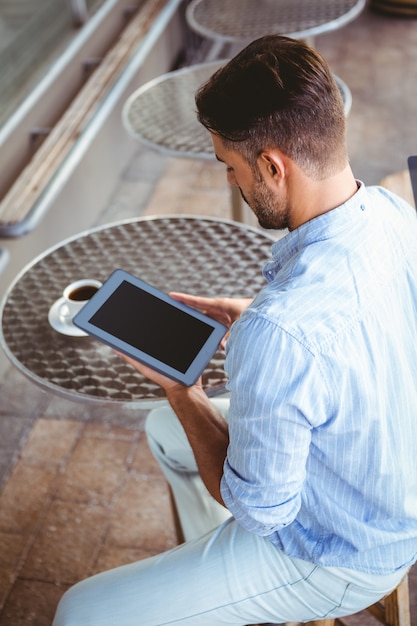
61	323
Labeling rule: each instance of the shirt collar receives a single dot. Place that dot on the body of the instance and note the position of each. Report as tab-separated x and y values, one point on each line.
322	227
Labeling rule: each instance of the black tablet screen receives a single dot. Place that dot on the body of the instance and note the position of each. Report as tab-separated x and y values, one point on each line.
152	326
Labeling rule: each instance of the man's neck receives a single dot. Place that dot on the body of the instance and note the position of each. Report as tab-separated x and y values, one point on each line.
311	198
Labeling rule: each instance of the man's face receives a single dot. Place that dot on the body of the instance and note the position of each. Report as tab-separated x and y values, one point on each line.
270	208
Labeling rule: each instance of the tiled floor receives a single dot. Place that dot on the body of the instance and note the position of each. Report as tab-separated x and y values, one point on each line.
80	491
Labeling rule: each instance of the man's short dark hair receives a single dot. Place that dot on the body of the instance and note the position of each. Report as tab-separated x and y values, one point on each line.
277	93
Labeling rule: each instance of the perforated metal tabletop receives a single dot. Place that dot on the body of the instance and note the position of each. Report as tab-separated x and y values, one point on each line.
241	21
203	256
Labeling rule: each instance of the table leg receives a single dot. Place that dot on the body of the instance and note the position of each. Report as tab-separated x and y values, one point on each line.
238	210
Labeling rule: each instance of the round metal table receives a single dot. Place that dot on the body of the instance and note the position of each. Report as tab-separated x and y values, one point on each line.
242	21
203	256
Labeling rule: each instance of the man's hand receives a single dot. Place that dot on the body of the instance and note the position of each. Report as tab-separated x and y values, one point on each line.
163	381
224	310
205	427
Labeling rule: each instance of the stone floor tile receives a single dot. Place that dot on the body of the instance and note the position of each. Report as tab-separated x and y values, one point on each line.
12	550
31	603
114	556
195	173
128	416
67	544
146	165
12	428
58	408
7	458
89	484
24	498
51	441
98	451
20	396
144	462
110	431
199	188
136	185
142	517
129	202
13	432
95	472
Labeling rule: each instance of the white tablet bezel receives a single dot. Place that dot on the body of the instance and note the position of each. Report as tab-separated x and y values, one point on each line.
118	277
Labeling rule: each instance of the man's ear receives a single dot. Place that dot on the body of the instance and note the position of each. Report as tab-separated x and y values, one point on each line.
272	166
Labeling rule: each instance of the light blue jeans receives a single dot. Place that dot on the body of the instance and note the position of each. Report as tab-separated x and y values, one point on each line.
221	575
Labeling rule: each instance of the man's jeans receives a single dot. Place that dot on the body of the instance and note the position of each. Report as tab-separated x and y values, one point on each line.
222	574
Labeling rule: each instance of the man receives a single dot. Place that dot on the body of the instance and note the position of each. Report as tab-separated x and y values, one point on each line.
298	497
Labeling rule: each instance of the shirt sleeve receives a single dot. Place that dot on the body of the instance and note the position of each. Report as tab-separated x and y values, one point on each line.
278	396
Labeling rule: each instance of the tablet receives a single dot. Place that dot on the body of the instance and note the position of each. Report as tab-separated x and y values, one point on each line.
145	323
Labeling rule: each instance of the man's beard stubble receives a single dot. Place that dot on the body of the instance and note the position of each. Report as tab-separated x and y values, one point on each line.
270	213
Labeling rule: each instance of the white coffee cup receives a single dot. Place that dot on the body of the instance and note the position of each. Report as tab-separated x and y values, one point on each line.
77	294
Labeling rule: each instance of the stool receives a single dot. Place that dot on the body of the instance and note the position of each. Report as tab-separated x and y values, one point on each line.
393	610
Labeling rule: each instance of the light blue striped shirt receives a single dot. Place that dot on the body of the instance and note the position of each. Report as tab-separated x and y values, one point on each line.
323	374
